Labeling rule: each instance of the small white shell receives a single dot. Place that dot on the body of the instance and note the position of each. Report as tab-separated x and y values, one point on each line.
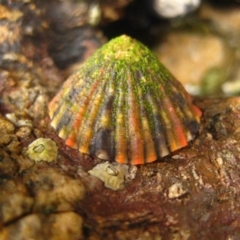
18	122
174	8
94	14
176	190
42	149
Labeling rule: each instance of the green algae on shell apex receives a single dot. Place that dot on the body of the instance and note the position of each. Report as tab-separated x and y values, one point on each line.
123	105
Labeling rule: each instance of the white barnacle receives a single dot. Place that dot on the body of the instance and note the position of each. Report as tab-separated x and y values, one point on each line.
114	175
176	190
175	8
43	149
94	14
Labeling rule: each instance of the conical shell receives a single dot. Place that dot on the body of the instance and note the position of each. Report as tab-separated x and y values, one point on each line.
123	105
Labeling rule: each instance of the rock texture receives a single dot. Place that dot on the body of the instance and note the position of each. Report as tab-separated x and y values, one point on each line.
193	194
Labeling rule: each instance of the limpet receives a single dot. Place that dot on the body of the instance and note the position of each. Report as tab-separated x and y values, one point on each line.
123	105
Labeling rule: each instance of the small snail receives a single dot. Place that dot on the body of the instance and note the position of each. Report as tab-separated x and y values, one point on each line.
123	105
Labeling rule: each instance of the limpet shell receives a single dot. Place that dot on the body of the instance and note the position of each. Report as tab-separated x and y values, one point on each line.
123	105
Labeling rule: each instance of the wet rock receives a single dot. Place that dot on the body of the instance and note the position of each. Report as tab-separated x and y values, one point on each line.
66	225
8	166
70	32
70	48
7	129
225	20
202	55
24	132
226	17
113	10
53	190
15	201
10	19
192	194
60	226
8	138
178	196
201	179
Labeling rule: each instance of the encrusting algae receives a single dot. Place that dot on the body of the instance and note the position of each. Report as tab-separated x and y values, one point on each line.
123	105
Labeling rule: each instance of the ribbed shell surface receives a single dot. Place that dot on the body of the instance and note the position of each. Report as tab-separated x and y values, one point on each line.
123	105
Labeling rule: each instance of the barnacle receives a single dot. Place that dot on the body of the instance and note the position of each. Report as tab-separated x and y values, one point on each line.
123	105
114	175
42	149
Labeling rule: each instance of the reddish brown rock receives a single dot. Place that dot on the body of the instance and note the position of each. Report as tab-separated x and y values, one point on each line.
192	194
67	225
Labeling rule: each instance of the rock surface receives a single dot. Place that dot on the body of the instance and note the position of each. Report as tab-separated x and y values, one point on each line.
193	194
